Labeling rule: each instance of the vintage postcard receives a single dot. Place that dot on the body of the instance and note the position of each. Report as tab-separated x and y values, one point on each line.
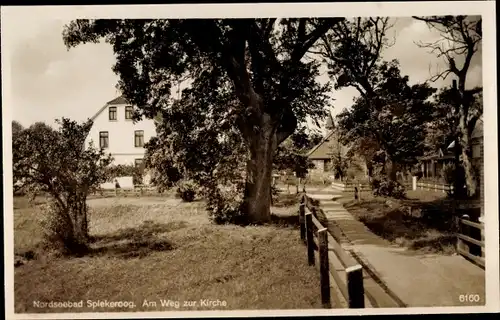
250	159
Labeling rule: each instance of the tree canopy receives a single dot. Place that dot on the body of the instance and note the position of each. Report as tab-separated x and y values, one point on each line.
395	118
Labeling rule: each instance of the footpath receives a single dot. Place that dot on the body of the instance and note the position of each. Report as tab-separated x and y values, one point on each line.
412	279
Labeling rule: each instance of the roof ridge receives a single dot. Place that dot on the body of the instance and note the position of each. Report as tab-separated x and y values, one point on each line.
320	143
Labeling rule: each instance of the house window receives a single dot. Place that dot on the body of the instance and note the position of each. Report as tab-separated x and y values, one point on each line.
129	110
139	138
112	113
103	139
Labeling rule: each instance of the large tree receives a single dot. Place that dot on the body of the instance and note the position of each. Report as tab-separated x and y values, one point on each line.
394	116
255	65
352	53
460	40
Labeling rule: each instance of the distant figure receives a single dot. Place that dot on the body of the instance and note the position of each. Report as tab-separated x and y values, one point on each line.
117	185
356	193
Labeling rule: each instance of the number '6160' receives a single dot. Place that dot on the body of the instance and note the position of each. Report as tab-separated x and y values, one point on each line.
469	298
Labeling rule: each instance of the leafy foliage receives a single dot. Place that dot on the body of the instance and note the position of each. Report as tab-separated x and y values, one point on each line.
441	131
17	129
224	204
57	163
448	173
186	190
122	170
291	154
394	118
388	188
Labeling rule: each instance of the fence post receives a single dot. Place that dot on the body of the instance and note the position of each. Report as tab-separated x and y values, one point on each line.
464	229
302	220
355	288
309	238
324	268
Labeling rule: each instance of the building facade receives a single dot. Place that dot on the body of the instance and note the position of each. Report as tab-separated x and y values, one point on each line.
114	130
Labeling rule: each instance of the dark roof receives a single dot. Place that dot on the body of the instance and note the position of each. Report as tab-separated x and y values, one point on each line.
119	100
323	150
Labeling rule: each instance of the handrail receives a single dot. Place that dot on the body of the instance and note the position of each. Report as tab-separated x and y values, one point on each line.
334	261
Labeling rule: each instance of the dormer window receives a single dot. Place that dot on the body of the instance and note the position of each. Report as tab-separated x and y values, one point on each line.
112	114
129	111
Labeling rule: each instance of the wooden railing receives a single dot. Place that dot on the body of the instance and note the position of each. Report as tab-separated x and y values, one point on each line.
136	191
335	265
435	187
467	243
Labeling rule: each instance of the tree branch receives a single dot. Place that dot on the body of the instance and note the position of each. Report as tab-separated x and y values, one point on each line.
309	40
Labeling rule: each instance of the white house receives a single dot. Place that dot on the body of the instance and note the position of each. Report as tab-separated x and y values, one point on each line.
114	130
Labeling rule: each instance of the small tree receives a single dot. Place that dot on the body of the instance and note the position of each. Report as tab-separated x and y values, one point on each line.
291	154
57	163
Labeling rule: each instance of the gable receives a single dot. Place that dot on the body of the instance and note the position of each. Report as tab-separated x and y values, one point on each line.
119	100
116	101
324	150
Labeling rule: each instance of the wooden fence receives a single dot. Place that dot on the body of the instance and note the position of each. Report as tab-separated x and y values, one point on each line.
127	192
435	187
468	243
335	265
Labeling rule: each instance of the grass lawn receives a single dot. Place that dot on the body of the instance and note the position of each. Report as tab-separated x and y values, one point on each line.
428	228
158	249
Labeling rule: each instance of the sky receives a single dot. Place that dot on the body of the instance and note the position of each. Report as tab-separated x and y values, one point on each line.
49	82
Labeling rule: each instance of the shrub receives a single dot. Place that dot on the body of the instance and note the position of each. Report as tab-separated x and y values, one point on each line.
388	188
225	205
186	190
448	174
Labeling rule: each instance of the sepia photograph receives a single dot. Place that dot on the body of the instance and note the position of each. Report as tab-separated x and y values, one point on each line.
251	159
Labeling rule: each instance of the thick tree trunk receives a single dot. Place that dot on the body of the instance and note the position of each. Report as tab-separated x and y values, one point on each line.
259	175
77	241
390	169
465	156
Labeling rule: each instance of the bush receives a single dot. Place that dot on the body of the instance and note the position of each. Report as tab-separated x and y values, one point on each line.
186	190
388	188
448	174
225	205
